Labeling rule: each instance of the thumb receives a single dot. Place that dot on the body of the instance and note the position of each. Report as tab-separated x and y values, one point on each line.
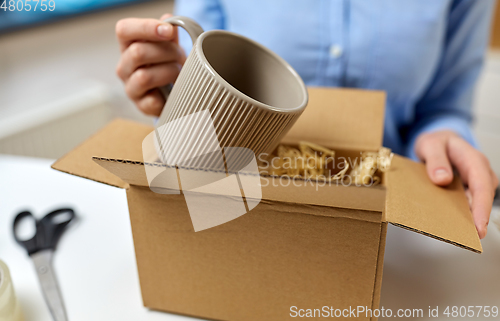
175	35
432	149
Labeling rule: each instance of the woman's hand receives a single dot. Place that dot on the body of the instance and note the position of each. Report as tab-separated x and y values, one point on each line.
443	149
150	58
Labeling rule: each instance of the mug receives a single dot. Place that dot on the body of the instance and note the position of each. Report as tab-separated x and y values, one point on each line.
231	92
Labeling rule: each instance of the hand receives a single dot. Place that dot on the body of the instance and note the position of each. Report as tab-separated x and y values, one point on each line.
150	58
443	149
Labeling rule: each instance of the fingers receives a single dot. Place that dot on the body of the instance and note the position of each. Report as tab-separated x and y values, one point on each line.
482	193
146	78
130	30
152	103
140	54
439	149
475	171
151	58
432	149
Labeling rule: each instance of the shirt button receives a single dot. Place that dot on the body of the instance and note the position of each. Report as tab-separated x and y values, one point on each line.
336	51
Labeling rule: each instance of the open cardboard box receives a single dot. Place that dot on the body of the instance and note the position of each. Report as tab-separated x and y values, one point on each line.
305	246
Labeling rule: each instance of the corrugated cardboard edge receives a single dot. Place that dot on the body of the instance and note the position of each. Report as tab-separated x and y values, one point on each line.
440	238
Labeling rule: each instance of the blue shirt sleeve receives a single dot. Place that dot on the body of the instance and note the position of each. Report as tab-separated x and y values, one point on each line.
447	103
208	13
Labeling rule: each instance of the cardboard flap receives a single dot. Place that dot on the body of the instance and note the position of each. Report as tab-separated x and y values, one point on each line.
415	203
341	119
120	139
370	199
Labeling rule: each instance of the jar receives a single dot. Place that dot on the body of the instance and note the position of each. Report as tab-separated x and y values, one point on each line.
10	309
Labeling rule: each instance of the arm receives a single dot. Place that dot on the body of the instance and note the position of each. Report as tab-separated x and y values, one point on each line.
441	135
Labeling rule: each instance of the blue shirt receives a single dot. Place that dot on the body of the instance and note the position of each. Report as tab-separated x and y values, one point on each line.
426	54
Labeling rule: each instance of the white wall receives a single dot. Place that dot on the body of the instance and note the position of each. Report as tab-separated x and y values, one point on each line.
40	65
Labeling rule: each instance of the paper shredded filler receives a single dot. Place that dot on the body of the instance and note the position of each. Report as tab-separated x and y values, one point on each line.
312	161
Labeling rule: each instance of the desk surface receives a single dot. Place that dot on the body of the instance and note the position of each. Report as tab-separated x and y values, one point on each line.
95	261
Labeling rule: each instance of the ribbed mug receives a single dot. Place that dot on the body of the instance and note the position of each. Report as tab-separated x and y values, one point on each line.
252	95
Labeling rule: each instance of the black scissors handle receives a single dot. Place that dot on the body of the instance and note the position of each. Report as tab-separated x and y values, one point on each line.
48	230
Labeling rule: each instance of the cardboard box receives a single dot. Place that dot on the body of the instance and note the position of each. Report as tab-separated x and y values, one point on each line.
306	246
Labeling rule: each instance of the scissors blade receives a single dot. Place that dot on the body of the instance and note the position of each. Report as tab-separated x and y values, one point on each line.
48	282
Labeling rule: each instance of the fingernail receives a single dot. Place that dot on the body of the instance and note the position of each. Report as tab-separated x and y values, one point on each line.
165	30
440	174
148	101
484	232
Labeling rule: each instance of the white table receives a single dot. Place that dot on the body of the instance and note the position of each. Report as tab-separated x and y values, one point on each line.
95	261
420	272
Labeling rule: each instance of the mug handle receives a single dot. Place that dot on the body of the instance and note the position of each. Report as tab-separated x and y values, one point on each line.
193	29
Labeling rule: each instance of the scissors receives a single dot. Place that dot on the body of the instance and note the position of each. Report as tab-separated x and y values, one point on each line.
41	248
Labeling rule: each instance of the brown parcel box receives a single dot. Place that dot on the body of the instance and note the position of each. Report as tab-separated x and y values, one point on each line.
307	246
